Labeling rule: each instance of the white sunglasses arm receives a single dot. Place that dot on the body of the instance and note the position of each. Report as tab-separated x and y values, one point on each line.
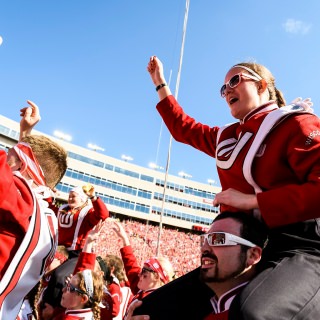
241	240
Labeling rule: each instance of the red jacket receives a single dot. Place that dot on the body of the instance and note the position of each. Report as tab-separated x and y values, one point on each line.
74	228
221	306
28	235
132	271
286	167
131	267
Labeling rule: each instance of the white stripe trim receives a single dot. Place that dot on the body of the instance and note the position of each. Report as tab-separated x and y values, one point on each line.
269	122
241	143
81	217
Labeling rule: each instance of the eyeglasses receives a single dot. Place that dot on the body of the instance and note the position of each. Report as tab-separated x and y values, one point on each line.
235	81
72	288
216	239
145	269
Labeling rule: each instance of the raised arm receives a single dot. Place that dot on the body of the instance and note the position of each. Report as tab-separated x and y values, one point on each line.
129	259
87	257
155	69
30	116
121	233
100	210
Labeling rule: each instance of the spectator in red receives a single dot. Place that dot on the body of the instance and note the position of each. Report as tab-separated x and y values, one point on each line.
83	211
156	271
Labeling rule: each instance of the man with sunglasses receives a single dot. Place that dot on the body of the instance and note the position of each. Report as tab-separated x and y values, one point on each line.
230	253
268	166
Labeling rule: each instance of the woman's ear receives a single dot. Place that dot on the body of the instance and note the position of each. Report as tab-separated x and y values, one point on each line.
84	299
262	86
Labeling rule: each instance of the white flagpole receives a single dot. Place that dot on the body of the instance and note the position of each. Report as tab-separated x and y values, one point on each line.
170	142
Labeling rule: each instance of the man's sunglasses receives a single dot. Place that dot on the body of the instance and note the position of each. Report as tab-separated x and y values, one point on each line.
235	81
216	239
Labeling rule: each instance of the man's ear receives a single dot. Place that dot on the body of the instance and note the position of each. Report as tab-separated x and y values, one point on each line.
262	86
253	256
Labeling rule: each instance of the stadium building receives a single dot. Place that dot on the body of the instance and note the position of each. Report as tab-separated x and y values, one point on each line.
129	190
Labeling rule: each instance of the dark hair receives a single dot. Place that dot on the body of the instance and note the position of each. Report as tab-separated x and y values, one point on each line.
252	229
115	262
106	270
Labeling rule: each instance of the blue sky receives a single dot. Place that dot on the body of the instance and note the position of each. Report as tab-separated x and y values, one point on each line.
84	63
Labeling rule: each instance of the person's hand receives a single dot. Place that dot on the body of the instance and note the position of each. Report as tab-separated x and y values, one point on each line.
155	69
92	237
68	279
306	104
135	304
30	117
120	232
47	311
88	189
236	199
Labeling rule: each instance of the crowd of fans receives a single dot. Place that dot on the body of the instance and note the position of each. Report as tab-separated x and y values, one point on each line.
182	248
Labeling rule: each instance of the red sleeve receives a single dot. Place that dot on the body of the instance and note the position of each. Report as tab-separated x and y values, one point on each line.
98	212
219	316
185	129
131	266
86	260
16	208
16	202
116	295
67	317
297	200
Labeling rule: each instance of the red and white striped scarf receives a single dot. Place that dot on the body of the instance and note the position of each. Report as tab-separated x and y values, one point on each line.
30	163
154	264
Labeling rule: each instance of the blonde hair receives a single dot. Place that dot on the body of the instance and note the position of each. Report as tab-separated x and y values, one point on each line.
97	292
167	267
51	157
264	73
116	262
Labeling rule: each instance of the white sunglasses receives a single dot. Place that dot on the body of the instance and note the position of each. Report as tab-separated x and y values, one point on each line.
216	239
235	81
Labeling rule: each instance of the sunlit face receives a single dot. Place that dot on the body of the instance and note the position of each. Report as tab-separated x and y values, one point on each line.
74	200
243	98
219	264
73	300
13	160
148	280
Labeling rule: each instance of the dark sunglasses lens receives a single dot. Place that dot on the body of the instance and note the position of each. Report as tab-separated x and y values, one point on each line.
234	81
223	90
70	287
144	269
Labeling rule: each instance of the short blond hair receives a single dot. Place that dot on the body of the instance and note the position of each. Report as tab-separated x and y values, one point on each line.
51	157
167	267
